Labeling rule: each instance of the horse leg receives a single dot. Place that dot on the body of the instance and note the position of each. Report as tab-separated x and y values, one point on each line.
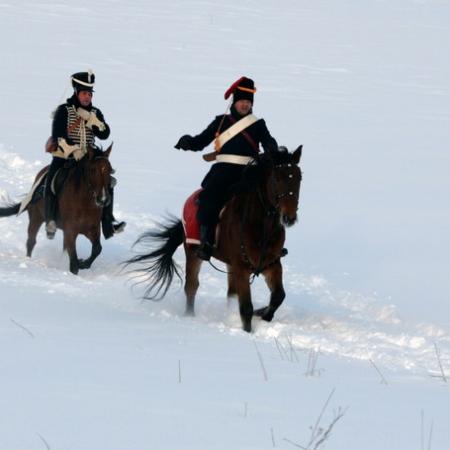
70	245
274	280
94	237
231	292
36	220
193	264
242	285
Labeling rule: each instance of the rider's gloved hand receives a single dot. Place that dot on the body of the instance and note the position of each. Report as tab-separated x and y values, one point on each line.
272	148
184	143
84	113
91	119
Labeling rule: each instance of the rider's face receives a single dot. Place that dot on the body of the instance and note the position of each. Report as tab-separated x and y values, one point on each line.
85	98
243	107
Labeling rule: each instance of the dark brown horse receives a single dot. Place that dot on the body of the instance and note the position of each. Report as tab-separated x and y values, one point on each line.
81	199
251	236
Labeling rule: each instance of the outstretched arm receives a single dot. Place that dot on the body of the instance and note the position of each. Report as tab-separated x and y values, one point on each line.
202	140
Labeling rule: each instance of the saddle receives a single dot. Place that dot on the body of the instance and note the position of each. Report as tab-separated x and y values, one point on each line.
60	176
190	222
36	192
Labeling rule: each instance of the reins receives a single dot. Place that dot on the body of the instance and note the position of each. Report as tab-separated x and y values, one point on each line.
219	270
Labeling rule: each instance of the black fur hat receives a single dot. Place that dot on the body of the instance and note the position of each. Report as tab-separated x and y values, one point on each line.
83	81
242	89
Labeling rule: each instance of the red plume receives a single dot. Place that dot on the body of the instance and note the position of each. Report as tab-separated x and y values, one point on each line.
233	87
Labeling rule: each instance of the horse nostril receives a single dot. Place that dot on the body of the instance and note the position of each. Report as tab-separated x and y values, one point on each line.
288	220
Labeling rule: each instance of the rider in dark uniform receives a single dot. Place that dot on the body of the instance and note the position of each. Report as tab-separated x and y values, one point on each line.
233	154
75	126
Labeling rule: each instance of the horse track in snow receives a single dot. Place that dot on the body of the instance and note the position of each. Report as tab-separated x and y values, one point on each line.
315	316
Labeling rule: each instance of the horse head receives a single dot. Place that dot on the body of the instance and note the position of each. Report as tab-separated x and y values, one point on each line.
282	183
98	172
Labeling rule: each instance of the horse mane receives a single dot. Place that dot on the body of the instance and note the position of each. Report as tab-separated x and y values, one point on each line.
80	170
282	156
79	173
254	174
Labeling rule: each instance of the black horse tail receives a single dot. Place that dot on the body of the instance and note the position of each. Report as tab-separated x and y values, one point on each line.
160	267
10	210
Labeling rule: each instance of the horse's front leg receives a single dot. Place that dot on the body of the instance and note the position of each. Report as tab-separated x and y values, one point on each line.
242	285
94	237
193	263
231	291
70	245
274	280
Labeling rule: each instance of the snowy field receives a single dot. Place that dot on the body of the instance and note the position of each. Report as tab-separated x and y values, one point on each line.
359	353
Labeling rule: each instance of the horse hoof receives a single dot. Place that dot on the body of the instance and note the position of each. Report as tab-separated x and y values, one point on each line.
264	313
260	312
267	317
83	264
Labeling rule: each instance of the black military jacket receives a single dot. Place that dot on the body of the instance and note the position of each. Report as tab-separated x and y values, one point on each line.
239	144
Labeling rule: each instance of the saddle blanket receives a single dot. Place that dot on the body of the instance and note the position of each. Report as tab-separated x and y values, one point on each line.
189	219
25	202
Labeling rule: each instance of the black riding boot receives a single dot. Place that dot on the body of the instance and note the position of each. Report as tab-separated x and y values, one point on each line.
110	226
206	246
50	199
50	214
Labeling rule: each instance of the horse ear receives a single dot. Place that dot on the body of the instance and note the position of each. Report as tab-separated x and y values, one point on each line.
107	152
297	154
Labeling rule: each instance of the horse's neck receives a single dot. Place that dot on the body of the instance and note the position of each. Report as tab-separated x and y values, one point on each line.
77	180
254	209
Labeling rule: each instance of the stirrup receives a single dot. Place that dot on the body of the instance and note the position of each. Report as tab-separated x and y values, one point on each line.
204	251
118	227
50	228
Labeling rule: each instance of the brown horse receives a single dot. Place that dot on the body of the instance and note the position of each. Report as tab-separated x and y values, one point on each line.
81	199
250	238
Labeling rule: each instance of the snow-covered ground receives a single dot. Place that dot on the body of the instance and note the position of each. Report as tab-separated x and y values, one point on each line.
364	86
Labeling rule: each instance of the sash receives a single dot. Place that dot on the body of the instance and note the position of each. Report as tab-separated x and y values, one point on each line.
235	129
234	159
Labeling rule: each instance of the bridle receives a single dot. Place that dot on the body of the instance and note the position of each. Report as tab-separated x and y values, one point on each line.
90	187
271	211
278	196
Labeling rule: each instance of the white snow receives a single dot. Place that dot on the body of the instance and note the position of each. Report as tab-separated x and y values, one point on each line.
364	86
